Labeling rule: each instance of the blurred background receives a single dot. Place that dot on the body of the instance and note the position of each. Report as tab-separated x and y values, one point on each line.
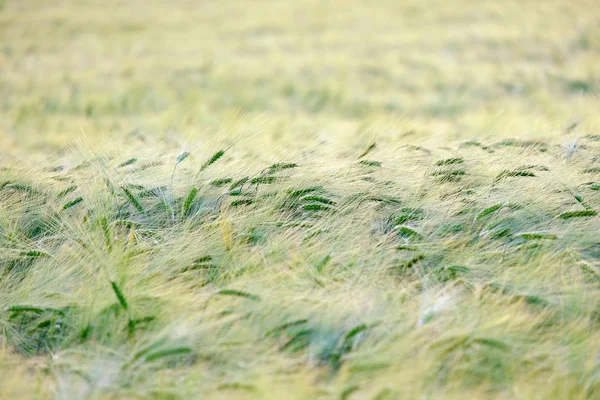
443	69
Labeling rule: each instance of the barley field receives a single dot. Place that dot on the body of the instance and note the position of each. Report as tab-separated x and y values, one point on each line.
269	199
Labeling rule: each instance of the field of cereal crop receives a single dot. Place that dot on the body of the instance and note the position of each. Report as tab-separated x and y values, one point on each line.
271	199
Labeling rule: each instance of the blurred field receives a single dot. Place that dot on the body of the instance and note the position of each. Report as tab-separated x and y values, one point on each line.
308	199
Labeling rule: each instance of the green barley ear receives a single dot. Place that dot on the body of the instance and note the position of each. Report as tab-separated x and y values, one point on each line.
355	331
536	167
106	231
577	214
22	187
167	352
135	186
212	160
301	192
241	202
349	343
489	210
128	162
182	156
265	180
537	235
371	163
221	182
110	186
318	199
20	308
66	191
156	350
500	233
405	231
315	207
153	192
575	193
119	294
492	342
140	354
286	325
237	293
72	203
368	150
239	183
404	247
507	174
246	387
148	165
298	342
450	161
203	259
280	167
34	253
126	223
136	203
445	274
200	263
449	176
408	214
410	263
385	199
525	144
188	201
348	391
592	271
323	263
